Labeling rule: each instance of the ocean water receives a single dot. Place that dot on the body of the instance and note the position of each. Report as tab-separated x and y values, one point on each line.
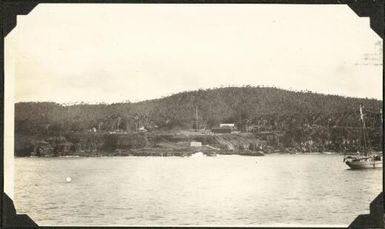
277	189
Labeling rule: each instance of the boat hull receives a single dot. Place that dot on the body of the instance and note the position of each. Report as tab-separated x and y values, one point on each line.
369	164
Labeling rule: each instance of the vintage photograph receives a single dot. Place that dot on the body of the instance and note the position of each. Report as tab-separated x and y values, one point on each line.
193	115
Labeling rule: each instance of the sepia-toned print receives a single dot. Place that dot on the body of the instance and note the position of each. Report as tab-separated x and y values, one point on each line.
193	115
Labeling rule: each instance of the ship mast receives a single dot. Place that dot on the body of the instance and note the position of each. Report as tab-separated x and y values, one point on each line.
363	131
196	118
381	132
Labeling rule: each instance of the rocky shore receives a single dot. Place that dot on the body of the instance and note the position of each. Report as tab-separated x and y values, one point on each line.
177	143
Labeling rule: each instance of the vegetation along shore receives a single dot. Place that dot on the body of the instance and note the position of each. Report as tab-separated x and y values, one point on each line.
231	120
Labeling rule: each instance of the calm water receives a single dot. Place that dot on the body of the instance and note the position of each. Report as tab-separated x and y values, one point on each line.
223	190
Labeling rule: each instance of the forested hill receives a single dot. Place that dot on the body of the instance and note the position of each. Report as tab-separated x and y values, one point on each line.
244	106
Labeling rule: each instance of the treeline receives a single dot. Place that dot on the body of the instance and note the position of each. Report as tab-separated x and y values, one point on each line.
298	114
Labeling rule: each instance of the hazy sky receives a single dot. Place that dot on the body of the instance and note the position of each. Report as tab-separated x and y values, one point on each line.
117	52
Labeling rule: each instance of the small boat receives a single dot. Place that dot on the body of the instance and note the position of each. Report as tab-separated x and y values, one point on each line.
364	162
327	153
184	155
198	154
260	153
365	159
211	154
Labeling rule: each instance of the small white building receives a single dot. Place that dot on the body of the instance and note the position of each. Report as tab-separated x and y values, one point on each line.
195	144
227	125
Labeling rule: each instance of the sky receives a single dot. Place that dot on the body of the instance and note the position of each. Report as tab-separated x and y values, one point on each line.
110	53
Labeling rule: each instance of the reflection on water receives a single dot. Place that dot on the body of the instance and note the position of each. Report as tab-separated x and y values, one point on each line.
223	190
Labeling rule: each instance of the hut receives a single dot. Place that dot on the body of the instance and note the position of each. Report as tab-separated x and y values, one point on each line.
224	130
195	144
227	125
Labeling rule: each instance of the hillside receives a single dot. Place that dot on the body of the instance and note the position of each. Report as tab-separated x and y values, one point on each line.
300	116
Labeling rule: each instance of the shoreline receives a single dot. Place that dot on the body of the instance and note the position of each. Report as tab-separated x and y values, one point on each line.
165	154
182	144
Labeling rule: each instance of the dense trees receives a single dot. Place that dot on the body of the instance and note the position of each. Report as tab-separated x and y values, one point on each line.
299	114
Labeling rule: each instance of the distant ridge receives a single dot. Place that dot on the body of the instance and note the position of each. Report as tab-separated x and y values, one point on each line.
328	120
215	106
72	103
